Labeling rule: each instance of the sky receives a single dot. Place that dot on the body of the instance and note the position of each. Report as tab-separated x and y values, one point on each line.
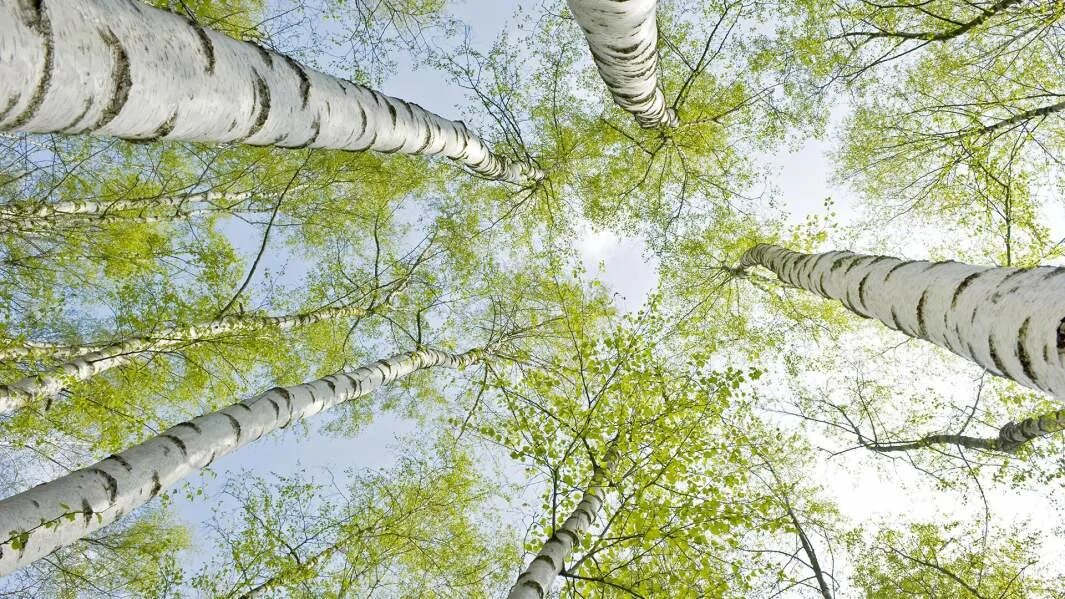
803	178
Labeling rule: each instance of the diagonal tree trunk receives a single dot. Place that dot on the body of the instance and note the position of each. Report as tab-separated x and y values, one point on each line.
83	367
623	38
1010	321
121	68
40	520
535	582
1010	437
26	214
40	350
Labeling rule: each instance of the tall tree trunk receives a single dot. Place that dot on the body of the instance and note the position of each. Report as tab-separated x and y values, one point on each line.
1010	437
623	38
27	214
535	582
40	520
39	350
1010	321
46	384
120	68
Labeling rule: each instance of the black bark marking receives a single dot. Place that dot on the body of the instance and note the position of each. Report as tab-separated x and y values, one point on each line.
316	129
999	291
838	263
122	461
264	54
72	127
861	291
191	425
121	75
995	358
110	483
1061	336
895	321
86	510
1022	352
892	270
234	424
962	286
854	262
262	97
922	329
157	485
241	404
9	106
205	45
164	128
392	113
332	386
35	16
277	408
177	443
1054	272
305	82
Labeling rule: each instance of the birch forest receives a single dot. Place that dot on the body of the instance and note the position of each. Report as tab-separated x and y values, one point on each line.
724	299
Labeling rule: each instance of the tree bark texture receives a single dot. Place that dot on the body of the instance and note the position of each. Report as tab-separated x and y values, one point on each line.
123	69
1010	321
38	521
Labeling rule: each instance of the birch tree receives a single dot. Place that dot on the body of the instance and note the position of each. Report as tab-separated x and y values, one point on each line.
1008	321
536	580
67	76
45	384
57	513
623	39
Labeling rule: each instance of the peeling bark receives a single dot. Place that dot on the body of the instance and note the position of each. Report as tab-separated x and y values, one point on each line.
623	38
1010	321
150	74
38	521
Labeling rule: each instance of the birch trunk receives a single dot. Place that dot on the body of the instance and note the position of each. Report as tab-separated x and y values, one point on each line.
1010	437
536	581
1010	321
25	213
623	38
81	368
40	350
123	69
40	520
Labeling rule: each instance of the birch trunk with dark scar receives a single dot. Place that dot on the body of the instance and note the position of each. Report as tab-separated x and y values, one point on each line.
1010	321
81	368
535	582
1010	437
623	38
123	69
38	521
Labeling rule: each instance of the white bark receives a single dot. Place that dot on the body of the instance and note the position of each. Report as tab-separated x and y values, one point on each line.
43	211
40	350
623	38
1010	321
85	366
121	68
38	521
536	581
